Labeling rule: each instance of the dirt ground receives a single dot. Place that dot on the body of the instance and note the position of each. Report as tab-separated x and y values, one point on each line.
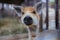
45	35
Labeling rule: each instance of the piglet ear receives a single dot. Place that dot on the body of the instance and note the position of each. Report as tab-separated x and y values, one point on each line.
38	6
18	10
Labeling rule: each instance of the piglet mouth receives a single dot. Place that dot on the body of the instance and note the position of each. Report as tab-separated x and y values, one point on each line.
28	20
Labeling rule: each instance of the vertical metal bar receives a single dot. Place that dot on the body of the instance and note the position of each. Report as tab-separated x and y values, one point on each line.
47	16
56	14
41	21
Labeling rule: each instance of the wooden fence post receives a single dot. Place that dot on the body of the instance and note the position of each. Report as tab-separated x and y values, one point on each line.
41	23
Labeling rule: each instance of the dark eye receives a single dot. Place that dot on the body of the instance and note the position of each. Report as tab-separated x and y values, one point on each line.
22	12
34	12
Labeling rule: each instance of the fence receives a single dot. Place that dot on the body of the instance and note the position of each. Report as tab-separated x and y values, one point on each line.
47	15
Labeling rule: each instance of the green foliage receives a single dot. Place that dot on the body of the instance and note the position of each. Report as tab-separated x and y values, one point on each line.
52	3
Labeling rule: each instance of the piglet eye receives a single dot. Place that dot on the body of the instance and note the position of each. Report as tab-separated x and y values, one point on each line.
22	12
34	12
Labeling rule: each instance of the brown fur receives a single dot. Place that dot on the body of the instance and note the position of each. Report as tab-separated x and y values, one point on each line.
31	9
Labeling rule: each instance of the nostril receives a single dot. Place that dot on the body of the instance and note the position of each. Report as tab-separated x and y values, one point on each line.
28	20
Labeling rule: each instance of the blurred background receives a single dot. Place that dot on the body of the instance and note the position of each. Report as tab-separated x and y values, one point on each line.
9	25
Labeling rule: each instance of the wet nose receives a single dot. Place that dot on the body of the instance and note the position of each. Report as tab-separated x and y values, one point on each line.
28	20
